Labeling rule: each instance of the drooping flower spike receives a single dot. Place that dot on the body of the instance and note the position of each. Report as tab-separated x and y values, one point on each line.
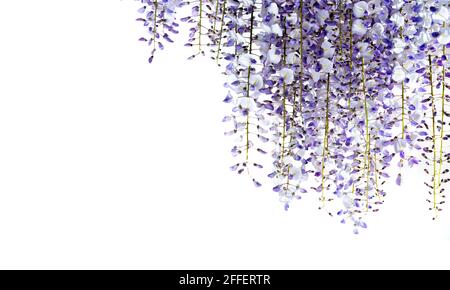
331	98
159	16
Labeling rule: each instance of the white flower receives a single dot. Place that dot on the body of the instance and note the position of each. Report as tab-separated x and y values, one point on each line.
314	75
322	15
328	50
288	75
246	103
410	30
273	57
360	8
374	7
292	58
442	15
444	37
398	19
266	28
378	29
399	74
371	83
256	81
397	4
424	37
276	29
327	65
237	37
246	60
248	3
399	45
292	18
241	21
273	8
364	51
347	201
359	28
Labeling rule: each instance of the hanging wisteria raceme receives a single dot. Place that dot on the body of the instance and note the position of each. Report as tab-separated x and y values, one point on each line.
160	19
245	81
279	49
330	98
432	68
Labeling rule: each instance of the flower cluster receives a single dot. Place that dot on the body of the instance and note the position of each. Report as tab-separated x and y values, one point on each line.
160	19
331	98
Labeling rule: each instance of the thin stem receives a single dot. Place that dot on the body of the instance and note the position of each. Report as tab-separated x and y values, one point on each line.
325	139
200	25
216	14
376	176
283	142
433	113
247	147
441	148
351	57
301	58
219	46
403	111
368	149
155	19
341	34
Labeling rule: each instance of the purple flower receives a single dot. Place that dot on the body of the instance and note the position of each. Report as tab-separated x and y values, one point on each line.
326	94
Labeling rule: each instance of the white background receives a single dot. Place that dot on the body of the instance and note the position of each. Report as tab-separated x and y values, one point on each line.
107	162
